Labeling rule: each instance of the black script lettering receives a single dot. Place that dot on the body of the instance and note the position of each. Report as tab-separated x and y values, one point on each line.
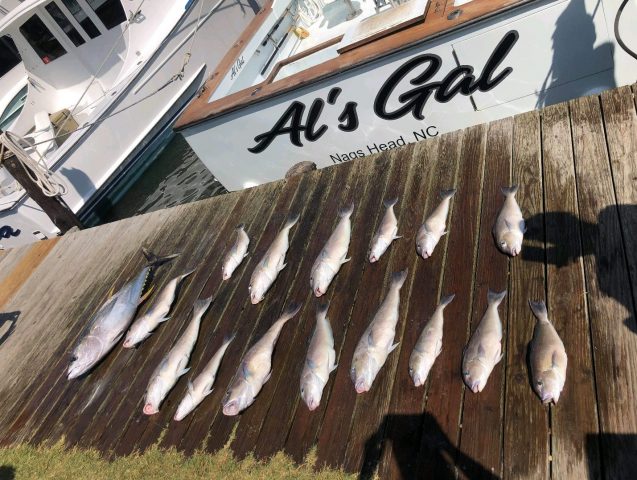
349	118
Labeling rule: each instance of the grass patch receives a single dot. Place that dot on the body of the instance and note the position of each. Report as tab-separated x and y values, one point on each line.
59	462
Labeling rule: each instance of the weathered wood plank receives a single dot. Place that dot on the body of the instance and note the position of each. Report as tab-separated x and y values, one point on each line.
526	456
483	412
610	302
421	289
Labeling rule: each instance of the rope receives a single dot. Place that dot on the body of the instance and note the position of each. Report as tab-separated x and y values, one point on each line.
49	182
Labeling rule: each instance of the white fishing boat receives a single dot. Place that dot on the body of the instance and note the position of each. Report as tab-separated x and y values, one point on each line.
330	80
104	79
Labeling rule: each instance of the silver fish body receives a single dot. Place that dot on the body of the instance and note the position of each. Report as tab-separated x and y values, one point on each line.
434	227
377	342
237	253
333	254
175	363
145	325
548	357
509	227
255	368
201	386
386	233
484	350
110	322
319	362
271	264
429	345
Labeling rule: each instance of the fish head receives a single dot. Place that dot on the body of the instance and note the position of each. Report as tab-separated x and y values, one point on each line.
228	268
87	353
363	371
238	397
475	375
377	249
258	287
510	242
311	394
134	335
420	372
154	395
186	406
548	386
425	246
320	280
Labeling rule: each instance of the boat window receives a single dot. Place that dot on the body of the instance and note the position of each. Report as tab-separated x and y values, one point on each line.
9	56
110	12
14	108
64	24
82	18
41	39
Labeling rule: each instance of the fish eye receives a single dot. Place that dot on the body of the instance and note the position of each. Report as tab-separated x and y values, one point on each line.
503	243
539	383
302	390
411	370
466	374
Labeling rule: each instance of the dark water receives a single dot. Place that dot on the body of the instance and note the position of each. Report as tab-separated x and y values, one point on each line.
174	177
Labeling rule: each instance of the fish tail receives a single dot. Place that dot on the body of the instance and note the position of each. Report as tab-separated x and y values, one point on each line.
390	202
346	211
539	309
322	308
512	190
496	297
398	278
446	300
200	306
154	260
292	219
444	194
188	273
241	226
229	338
292	310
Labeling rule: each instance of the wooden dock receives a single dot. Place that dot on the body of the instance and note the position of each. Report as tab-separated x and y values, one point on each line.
575	164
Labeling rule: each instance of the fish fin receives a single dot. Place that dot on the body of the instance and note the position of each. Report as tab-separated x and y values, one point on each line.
229	338
165	319
183	372
346	211
448	193
188	273
509	226
208	391
446	300
539	309
191	388
334	368
445	232
267	377
438	347
345	260
495	297
245	255
512	190
393	347
399	277
145	296
283	266
241	226
390	202
154	260
396	237
292	219
292	310
111	291
200	306
522	226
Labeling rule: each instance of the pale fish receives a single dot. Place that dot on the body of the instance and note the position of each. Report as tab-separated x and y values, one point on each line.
386	232
256	368
201	386
429	344
548	357
484	349
377	341
271	264
319	362
110	322
237	253
434	227
175	363
145	325
333	255
509	227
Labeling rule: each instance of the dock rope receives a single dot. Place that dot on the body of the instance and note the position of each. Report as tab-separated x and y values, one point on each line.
48	181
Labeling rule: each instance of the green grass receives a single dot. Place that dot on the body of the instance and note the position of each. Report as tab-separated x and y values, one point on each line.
58	462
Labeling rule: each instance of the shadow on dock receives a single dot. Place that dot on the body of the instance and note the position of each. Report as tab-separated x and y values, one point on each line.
620	454
7	472
611	251
5	332
415	440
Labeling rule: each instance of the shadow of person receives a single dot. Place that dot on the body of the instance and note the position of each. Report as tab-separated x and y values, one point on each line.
417	439
620	455
7	472
574	40
599	239
7	318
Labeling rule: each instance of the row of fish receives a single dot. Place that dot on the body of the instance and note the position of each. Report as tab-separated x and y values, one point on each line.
508	232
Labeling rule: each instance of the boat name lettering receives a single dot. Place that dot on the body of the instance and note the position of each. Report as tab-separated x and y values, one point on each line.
460	80
236	67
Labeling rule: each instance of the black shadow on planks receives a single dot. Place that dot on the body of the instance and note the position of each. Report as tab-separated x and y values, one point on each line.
7	472
620	454
601	235
7	325
422	430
